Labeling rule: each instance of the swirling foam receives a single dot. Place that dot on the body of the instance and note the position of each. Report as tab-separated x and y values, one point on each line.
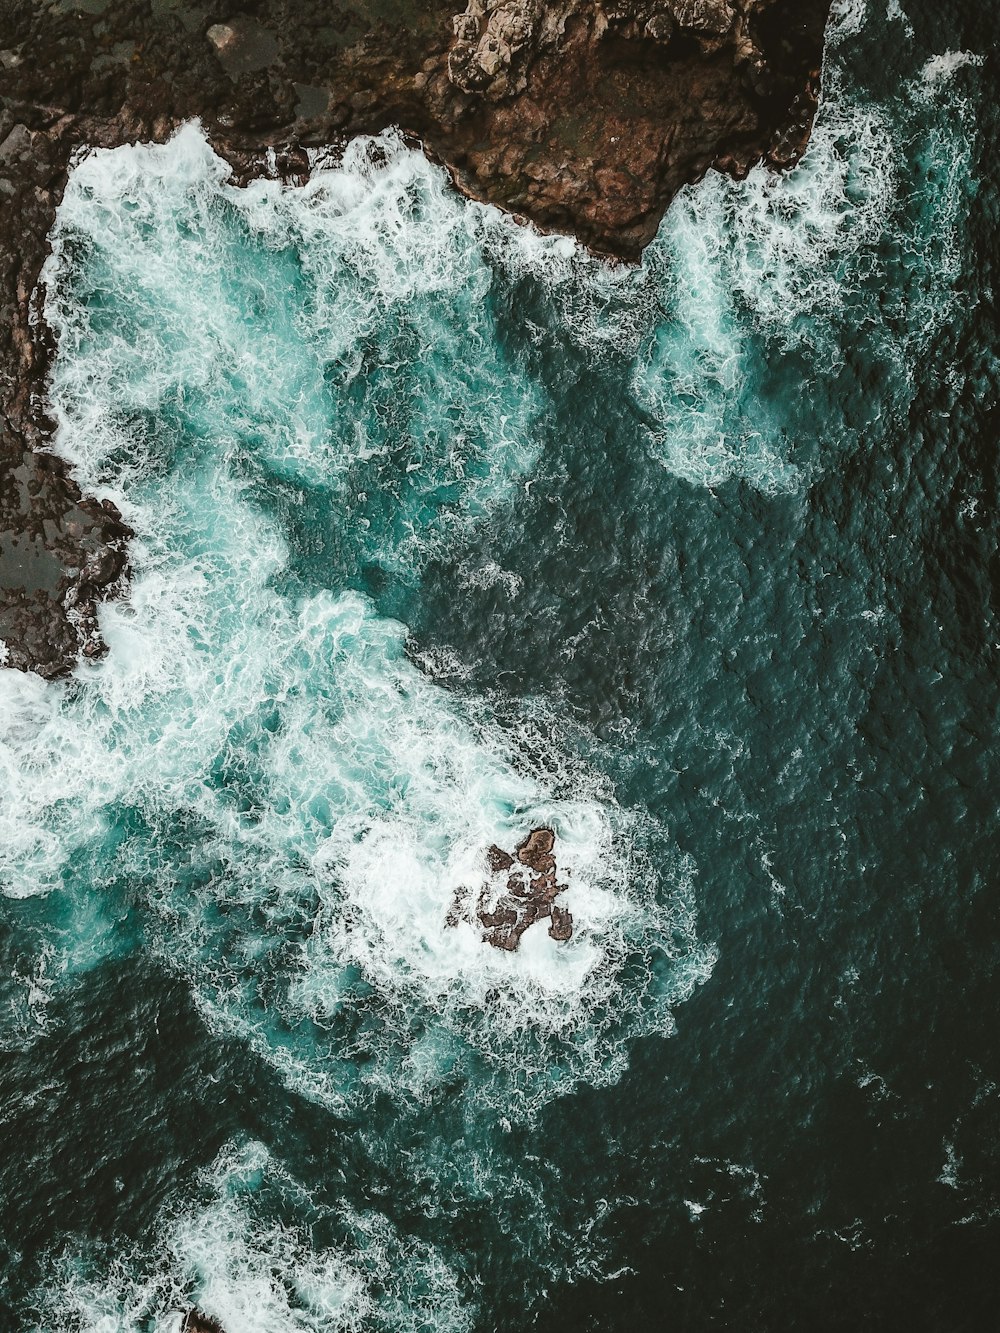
753	273
304	804
283	389
231	1252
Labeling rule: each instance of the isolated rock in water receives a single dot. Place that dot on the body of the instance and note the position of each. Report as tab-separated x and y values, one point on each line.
506	913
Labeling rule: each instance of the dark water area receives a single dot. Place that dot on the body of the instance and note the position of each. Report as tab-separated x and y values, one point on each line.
781	1108
847	1042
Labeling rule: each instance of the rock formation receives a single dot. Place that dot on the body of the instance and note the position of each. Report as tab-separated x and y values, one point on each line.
582	115
196	1322
521	890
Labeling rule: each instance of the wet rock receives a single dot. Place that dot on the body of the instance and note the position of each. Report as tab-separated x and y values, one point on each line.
196	1322
561	925
714	17
497	859
519	886
102	568
538	842
503	916
660	26
243	45
506	915
545	889
507	940
493	43
15	147
291	165
536	850
222	37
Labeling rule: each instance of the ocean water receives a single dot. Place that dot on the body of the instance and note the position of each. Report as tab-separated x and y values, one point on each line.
445	530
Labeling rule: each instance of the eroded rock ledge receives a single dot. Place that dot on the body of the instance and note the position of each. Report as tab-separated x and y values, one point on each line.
583	116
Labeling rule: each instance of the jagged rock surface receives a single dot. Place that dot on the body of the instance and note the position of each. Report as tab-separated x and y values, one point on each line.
196	1322
585	117
522	889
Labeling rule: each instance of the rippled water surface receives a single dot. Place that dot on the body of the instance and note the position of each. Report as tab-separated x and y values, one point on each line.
444	531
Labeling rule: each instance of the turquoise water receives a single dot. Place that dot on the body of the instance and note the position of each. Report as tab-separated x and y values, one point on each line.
446	530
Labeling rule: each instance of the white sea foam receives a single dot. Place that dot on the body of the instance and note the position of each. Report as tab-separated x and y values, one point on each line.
307	805
346	324
858	241
952	1165
847	18
940	69
303	802
24	1000
295	804
229	1252
491	575
895	11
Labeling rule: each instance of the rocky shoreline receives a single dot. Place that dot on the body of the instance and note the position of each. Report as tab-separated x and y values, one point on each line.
580	116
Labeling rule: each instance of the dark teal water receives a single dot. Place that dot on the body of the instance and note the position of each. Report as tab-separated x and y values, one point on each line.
445	531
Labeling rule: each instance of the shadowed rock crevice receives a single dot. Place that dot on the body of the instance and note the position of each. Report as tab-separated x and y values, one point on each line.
583	117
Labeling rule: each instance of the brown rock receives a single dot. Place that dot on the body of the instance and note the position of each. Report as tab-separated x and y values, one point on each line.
561	925
196	1322
709	16
536	850
508	940
546	889
497	859
503	915
519	886
538	840
527	900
